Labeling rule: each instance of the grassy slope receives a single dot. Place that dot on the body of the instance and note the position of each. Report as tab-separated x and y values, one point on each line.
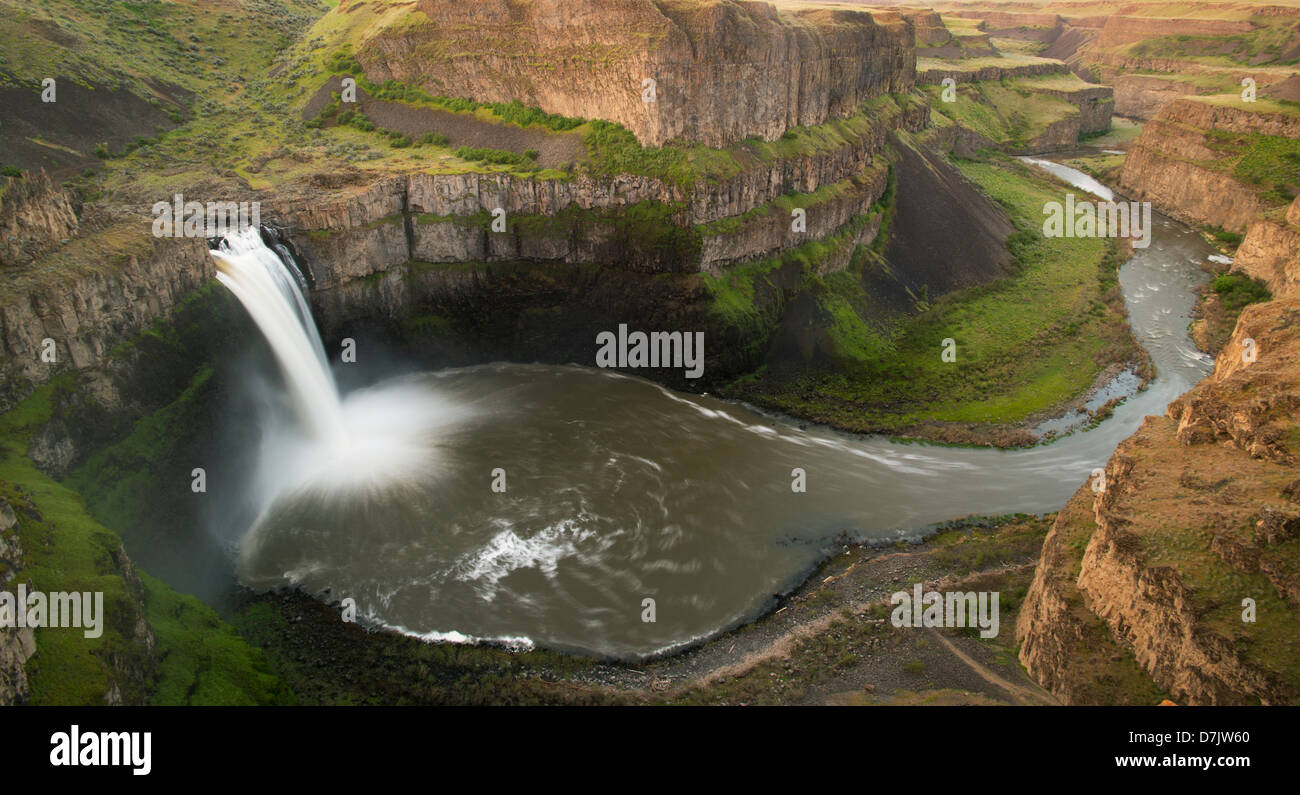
1266	44
192	57
1024	344
1267	164
201	659
1010	112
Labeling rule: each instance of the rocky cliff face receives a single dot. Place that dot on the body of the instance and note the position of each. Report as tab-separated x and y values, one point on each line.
1199	513
360	230
135	279
989	72
927	26
635	223
723	70
1095	104
16	645
1171	164
35	216
1120	29
1268	252
1142	96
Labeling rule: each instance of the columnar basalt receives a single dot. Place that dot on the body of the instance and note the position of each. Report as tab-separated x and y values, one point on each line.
712	72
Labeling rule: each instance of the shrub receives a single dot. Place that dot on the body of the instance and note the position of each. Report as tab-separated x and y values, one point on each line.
1238	291
343	61
493	156
1224	236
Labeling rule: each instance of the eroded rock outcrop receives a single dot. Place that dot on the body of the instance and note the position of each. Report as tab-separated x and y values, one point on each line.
85	311
1268	252
17	645
35	217
1142	96
1171	163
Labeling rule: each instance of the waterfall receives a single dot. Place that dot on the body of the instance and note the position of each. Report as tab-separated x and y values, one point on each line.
273	292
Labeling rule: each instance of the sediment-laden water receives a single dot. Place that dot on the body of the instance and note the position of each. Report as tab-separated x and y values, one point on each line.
617	490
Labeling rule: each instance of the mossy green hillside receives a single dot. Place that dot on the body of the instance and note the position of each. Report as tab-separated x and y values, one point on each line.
1024	344
747	299
66	549
1268	163
1009	112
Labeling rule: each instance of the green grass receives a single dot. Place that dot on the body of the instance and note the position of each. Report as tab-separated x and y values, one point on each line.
203	660
1004	60
113	479
1025	344
1268	163
65	549
1238	291
1005	112
493	156
1222	235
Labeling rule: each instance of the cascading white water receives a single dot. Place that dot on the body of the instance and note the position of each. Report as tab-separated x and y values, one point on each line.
270	291
374	440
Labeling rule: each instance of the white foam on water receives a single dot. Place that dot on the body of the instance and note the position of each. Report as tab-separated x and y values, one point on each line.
508	552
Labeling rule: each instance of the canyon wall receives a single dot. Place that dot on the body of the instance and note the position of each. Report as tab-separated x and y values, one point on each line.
1172	165
114	277
1200	510
1182	565
723	70
1142	96
1269	251
89	294
34	217
1120	30
641	223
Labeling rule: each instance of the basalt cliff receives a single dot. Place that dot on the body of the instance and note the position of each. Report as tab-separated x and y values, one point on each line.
1177	162
712	72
